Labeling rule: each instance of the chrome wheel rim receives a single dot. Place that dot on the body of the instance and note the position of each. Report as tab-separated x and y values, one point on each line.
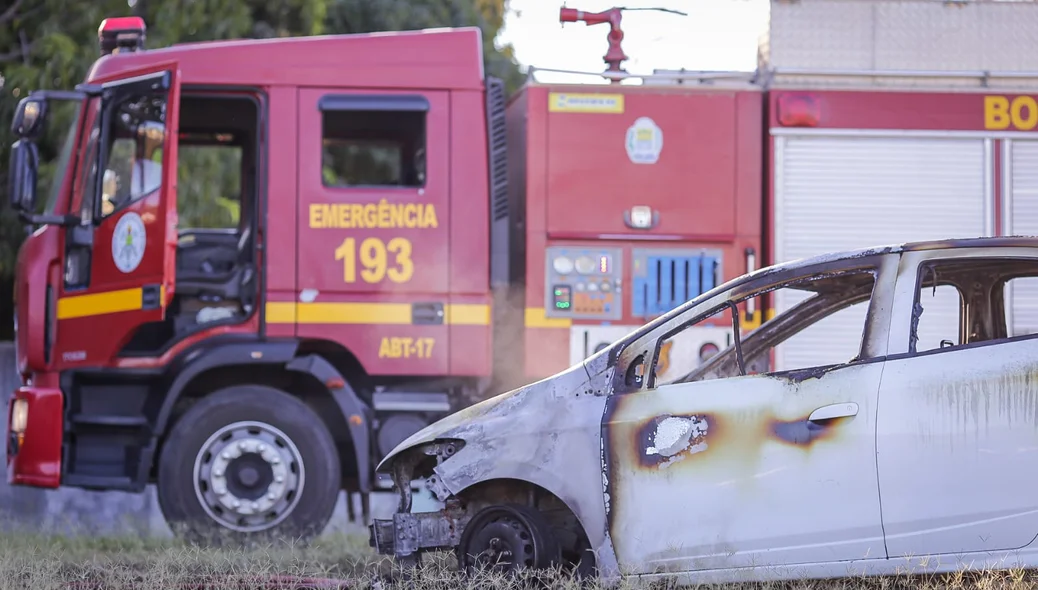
248	476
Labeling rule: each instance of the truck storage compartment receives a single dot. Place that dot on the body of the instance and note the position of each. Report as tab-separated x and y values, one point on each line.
671	151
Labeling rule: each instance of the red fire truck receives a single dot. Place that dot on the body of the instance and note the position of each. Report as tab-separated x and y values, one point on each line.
408	241
382	272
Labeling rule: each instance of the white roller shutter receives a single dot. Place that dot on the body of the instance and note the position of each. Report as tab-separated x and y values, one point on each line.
846	192
1022	213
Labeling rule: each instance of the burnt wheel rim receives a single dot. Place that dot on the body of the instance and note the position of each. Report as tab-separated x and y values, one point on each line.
248	476
503	543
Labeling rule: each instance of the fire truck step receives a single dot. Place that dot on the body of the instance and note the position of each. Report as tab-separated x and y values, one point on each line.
110	421
100	482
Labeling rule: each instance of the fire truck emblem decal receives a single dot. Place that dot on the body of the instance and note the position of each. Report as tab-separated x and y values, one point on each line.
644	141
128	242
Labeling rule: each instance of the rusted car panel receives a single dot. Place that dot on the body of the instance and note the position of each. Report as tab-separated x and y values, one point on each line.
969	409
730	470
734	473
546	433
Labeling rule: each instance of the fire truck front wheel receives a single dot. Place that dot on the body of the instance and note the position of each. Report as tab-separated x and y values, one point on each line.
248	461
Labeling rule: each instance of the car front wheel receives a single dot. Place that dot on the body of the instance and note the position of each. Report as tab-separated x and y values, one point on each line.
507	539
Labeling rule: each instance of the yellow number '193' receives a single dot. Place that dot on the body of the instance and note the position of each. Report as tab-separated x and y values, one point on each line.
374	256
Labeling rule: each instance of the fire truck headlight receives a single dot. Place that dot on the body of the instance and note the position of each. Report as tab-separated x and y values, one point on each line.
19	416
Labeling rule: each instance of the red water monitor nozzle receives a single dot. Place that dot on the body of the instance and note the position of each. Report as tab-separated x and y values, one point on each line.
615	55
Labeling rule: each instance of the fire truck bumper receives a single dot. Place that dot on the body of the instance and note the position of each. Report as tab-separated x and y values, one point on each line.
34	436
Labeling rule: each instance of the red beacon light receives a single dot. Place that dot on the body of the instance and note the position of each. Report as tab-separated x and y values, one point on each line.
799	110
124	33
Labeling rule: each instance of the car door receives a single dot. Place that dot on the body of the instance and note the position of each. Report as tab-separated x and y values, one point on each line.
771	469
957	441
119	263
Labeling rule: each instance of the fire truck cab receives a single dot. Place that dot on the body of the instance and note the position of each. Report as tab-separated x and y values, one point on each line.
220	339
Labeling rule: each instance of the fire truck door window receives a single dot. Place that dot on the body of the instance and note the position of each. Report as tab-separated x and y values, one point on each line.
209	185
373	148
88	171
62	118
133	167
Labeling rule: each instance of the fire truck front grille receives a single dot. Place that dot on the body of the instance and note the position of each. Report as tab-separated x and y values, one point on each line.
665	281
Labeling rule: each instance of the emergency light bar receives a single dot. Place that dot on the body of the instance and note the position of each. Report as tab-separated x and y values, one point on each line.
124	33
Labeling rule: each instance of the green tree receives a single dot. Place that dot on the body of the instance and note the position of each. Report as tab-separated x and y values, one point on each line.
51	44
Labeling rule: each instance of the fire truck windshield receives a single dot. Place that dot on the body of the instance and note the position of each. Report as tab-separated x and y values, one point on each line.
59	131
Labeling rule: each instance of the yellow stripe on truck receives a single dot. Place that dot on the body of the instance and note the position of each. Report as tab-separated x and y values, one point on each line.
353	313
285	312
81	306
468	314
536	317
281	313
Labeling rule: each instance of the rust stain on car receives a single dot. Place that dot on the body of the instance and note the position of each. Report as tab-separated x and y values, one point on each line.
668	439
804	433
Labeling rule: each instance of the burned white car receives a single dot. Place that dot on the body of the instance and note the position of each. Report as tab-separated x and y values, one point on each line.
909	446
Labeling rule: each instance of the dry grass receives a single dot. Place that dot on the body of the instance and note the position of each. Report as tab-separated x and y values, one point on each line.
40	562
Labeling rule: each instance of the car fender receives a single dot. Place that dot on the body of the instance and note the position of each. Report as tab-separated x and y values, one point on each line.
547	433
579	489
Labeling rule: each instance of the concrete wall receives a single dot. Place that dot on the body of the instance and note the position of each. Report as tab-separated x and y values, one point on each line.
70	510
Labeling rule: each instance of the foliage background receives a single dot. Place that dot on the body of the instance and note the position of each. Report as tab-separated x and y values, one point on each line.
50	44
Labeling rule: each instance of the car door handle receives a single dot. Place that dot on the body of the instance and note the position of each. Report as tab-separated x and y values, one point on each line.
829	412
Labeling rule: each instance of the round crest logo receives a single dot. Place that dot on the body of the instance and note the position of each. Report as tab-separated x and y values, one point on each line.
128	242
644	141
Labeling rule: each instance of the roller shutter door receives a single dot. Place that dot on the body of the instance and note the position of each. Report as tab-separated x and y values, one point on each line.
844	193
1022	212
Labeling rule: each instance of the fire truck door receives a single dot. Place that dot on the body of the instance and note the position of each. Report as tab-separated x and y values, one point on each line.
119	263
374	225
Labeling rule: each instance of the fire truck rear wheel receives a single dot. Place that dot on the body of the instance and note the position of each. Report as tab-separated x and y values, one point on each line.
248	462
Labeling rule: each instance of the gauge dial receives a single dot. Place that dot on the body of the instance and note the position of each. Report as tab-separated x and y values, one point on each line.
585	265
562	265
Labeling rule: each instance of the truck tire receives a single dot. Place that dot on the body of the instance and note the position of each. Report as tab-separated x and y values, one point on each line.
245	463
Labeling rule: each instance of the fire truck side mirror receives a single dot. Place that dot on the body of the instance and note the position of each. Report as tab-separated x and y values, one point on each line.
21	184
28	118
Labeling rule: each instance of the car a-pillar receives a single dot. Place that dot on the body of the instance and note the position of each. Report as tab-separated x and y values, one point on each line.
253	456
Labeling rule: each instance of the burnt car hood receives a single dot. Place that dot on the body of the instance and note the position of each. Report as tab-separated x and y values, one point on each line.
479	418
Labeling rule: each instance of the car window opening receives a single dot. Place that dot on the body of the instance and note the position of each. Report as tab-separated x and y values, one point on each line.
806	303
964	301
